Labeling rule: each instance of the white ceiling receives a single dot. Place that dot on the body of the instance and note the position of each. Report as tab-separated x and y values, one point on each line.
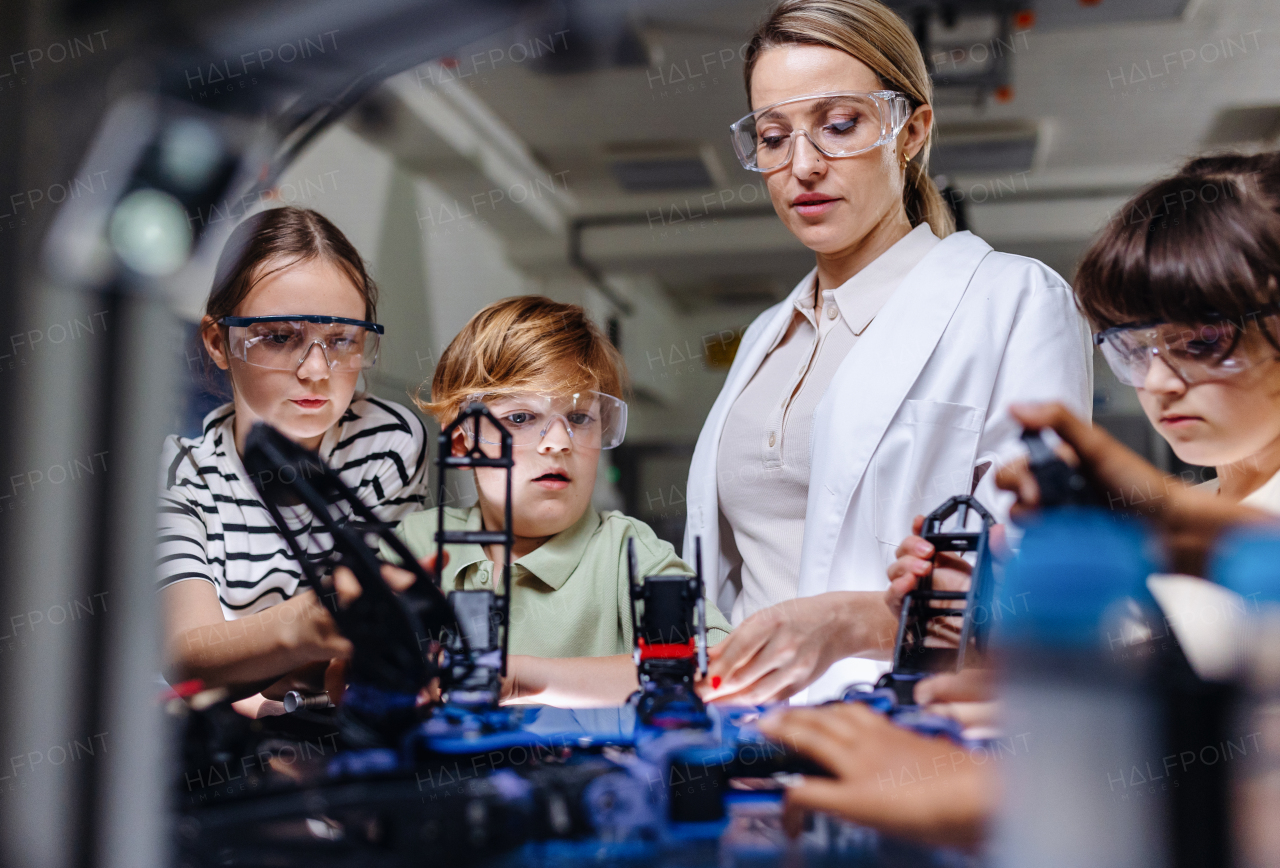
1115	105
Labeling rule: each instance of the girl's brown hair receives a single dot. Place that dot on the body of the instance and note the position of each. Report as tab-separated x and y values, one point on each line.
278	238
1201	245
516	344
874	34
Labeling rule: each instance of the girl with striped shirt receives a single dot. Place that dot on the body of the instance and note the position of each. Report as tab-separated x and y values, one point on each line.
290	318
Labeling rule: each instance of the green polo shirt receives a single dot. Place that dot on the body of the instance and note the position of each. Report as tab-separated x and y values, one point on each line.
568	596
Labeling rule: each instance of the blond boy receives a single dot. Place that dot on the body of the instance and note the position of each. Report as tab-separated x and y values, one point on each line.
556	384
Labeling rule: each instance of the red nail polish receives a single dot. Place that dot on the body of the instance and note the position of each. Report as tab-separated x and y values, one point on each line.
715	682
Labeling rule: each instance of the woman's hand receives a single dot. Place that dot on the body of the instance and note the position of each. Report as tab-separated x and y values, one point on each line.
903	784
780	650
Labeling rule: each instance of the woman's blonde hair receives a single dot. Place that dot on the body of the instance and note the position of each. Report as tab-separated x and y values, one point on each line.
874	34
516	344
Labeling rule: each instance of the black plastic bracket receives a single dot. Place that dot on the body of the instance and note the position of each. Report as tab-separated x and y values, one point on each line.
912	658
467	666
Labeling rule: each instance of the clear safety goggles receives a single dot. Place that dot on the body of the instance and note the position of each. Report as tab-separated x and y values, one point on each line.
1196	353
282	343
837	124
594	420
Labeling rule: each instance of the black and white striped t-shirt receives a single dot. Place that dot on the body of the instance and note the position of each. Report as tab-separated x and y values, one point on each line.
213	526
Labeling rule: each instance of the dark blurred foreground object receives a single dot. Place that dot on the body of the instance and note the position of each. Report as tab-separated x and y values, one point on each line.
1060	484
1094	677
393	634
1249	564
179	120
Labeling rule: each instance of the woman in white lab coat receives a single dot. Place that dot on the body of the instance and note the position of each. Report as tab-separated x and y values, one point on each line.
880	386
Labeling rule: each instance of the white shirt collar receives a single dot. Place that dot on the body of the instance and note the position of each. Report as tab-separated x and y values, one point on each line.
860	297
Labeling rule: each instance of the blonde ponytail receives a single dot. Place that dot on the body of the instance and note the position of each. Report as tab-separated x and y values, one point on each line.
874	34
924	203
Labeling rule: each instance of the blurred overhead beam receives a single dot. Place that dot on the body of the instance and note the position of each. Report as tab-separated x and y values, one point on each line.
449	110
637	243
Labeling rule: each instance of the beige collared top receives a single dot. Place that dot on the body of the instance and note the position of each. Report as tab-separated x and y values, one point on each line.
762	469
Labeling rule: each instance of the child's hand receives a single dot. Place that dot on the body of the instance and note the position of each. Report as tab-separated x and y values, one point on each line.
950	573
967	696
313	631
525	679
913	563
306	679
335	680
943	800
1191	520
569	682
398	579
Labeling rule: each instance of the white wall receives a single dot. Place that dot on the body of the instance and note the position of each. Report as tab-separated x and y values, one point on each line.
466	267
673	355
400	272
347	180
340	175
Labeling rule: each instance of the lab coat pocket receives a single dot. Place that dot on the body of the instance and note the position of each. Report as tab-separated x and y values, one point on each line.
926	456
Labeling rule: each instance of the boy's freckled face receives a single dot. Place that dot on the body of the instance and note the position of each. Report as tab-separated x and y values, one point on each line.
551	483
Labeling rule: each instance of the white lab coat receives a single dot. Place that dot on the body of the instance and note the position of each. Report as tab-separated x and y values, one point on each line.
917	405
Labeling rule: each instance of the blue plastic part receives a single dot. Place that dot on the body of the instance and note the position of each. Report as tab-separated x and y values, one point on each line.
1248	562
1074	565
483	742
369	699
361	763
881	699
930	725
748	797
704	755
705	831
453	733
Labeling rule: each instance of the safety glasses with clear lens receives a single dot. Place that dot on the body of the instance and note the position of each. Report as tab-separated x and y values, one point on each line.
282	343
1196	353
593	420
837	124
